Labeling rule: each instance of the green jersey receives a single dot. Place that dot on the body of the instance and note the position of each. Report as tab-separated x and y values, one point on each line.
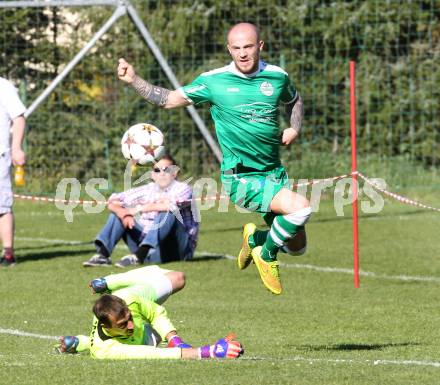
245	111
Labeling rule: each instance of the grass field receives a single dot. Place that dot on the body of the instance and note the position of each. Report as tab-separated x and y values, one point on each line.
319	331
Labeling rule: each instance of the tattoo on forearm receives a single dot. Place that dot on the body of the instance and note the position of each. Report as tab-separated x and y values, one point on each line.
152	94
296	115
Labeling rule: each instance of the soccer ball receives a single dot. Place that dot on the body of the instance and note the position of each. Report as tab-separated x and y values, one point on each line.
142	143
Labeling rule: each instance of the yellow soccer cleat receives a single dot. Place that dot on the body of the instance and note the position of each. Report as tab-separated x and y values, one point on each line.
269	272
245	257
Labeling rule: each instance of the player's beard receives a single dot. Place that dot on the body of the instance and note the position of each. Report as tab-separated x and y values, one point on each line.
248	67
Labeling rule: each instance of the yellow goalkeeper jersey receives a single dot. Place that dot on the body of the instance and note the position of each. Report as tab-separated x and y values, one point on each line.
145	313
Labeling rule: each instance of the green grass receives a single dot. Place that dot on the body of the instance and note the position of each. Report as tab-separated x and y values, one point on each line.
319	331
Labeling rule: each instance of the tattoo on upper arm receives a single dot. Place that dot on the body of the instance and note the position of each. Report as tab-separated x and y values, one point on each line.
152	94
296	115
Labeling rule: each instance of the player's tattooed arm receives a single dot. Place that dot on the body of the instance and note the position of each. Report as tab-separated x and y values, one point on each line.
155	95
295	114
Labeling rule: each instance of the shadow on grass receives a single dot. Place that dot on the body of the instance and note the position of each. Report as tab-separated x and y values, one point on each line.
207	258
351	346
224	230
50	255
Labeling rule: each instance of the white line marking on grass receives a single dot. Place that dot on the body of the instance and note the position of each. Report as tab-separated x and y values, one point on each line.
21	333
321	269
435	364
61	242
324	269
50	241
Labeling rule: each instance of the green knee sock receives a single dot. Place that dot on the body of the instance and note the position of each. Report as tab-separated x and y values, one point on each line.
258	238
281	231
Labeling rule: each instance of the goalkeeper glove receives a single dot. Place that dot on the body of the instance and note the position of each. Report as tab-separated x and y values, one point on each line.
68	344
98	285
176	342
223	348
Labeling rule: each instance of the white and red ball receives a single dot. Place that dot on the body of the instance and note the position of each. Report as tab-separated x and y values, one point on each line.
142	143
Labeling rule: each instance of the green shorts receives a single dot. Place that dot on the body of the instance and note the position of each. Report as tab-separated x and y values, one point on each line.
255	190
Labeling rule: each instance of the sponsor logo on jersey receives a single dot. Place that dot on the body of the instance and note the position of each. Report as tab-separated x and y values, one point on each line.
233	89
266	88
257	111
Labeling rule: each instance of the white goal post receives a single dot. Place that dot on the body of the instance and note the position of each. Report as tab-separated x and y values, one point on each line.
123	7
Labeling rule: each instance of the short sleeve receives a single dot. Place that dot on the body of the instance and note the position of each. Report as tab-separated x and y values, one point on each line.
115	197
10	100
288	94
196	92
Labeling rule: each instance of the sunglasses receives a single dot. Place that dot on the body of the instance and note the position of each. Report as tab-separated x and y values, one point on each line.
167	169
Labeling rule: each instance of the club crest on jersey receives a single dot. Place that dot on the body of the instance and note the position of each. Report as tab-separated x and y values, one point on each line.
266	88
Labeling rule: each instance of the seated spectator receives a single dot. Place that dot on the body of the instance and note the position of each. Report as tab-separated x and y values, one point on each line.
154	220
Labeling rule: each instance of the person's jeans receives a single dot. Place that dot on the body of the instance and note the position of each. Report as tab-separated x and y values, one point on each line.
167	239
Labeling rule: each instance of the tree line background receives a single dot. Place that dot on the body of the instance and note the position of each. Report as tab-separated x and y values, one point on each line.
76	132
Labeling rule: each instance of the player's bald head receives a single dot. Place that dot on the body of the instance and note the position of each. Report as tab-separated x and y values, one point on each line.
244	46
247	29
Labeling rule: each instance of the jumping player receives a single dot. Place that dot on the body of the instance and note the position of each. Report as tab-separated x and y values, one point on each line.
245	97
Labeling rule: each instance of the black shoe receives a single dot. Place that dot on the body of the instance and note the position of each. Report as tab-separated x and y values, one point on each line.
98	260
8	261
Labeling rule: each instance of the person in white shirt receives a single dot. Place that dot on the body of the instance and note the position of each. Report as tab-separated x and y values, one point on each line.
12	128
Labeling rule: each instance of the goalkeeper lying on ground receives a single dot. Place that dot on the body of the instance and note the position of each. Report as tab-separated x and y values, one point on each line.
130	322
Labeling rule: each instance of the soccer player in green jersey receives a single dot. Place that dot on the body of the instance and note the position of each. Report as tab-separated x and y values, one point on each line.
129	321
245	97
